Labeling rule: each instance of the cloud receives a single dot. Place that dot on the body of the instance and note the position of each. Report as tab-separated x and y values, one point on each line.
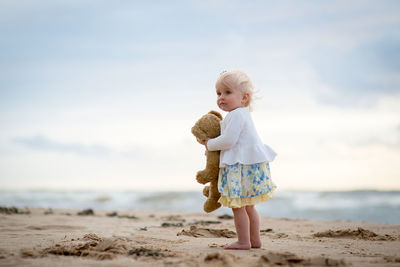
45	144
361	75
379	141
83	47
139	154
126	70
390	140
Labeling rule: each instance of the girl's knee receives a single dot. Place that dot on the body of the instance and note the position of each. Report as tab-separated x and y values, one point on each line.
237	210
250	208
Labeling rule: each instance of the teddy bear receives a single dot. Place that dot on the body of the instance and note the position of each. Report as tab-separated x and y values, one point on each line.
208	127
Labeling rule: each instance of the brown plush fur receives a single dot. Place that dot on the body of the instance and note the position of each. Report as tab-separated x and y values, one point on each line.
208	127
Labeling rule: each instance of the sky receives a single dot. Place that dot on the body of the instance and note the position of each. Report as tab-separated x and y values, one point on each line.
101	95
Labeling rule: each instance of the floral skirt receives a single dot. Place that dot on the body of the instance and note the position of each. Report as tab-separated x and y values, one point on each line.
243	185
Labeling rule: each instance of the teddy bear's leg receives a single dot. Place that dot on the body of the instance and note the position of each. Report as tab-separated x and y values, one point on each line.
202	177
213	192
210	173
212	203
206	191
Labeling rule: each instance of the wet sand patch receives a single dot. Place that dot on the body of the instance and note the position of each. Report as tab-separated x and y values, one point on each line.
291	259
220	259
360	233
95	247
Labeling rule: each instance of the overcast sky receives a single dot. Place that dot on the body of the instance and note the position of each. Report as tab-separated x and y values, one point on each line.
102	94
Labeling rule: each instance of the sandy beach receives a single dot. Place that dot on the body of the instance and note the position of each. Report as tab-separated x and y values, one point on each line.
42	237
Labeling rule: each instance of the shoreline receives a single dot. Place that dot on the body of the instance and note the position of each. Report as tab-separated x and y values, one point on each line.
43	237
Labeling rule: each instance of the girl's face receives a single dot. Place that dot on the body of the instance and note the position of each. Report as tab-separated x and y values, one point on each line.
229	99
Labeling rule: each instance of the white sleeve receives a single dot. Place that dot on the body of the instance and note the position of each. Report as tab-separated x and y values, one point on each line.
231	134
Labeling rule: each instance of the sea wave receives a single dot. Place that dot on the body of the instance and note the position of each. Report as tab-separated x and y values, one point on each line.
359	205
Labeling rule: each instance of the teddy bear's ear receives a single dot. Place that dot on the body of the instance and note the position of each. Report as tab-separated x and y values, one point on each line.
216	113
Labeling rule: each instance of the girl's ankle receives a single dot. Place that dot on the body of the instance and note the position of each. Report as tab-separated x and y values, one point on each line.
256	244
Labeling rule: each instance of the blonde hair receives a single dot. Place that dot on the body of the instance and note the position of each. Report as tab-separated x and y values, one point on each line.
236	80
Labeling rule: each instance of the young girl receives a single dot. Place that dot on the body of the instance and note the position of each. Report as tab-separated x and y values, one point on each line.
244	175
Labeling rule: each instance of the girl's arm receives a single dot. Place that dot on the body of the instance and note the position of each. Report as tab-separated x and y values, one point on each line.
231	134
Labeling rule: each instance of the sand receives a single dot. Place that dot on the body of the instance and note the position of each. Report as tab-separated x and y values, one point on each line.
40	237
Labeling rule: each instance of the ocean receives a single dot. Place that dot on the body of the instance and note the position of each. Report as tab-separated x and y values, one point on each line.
359	205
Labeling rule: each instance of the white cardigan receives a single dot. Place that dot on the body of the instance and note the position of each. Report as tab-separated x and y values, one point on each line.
239	141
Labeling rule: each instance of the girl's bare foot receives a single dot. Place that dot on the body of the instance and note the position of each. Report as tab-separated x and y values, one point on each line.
238	245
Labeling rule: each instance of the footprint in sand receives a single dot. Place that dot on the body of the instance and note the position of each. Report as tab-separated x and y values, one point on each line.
207	232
